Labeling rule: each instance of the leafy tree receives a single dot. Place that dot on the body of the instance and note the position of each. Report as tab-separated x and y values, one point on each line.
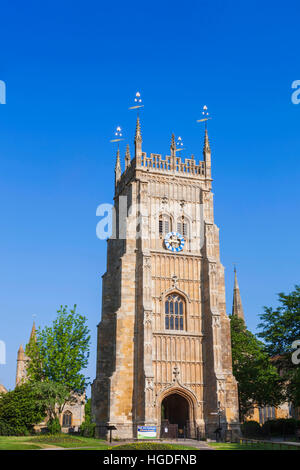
20	410
292	377
258	380
53	397
280	327
87	428
59	353
88	410
54	426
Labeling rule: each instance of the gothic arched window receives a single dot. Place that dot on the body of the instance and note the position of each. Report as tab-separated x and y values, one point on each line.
183	226
174	312
164	224
67	419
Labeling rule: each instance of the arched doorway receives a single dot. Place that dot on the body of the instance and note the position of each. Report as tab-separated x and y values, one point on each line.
175	412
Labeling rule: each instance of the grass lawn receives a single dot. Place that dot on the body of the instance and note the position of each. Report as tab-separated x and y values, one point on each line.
16	443
77	442
262	446
66	441
44	442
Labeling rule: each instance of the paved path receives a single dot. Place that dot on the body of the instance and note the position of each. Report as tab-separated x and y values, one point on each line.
279	441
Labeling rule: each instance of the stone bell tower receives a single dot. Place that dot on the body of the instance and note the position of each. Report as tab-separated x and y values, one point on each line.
164	349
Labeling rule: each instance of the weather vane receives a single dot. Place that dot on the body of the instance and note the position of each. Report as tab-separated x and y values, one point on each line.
205	117
179	144
118	136
137	102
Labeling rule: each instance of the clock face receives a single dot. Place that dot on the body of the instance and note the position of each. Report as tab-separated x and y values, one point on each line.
174	241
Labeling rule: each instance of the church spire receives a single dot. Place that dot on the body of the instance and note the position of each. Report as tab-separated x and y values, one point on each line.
117	168
207	154
206	147
237	307
138	139
21	366
21	353
33	332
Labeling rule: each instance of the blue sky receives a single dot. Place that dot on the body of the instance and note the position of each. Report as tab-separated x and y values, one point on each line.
71	70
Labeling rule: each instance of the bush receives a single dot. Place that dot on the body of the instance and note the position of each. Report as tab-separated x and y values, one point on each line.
7	430
53	426
280	427
87	429
20	410
251	429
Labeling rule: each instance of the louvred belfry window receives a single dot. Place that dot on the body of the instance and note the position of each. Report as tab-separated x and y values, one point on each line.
164	224
182	227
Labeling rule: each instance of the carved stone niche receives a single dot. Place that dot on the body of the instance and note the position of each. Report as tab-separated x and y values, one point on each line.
213	274
216	321
147	262
149	383
206	197
221	386
148	318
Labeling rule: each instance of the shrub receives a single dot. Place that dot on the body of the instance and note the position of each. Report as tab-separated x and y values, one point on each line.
87	429
7	430
20	410
279	427
53	426
251	429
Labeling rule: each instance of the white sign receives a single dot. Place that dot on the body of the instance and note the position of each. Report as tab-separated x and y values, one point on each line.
146	432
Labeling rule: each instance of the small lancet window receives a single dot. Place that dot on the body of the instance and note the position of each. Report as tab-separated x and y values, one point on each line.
164	224
182	226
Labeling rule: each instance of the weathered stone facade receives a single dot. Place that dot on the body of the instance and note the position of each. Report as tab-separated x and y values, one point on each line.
139	361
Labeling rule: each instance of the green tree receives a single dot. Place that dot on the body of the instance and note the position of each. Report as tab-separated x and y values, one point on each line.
53	397
258	380
60	353
280	327
87	428
88	410
20	410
